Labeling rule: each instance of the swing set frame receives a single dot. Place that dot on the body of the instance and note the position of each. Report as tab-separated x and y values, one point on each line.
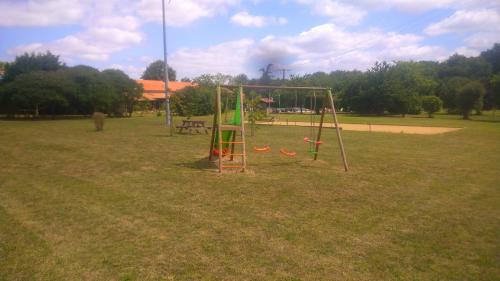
328	103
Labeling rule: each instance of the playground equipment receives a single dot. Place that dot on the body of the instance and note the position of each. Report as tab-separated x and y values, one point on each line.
223	139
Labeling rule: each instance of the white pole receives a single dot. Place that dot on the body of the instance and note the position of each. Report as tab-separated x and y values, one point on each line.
167	98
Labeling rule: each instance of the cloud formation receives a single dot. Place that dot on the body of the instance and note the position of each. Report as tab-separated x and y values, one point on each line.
248	20
322	48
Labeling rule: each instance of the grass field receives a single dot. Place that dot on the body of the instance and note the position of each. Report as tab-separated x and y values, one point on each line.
131	203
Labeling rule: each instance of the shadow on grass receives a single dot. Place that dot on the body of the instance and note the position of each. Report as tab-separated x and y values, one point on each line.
200	164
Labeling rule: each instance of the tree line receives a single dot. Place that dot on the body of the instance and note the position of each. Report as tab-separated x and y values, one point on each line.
39	84
459	84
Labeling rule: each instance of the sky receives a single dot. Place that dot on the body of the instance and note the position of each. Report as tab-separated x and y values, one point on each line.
242	36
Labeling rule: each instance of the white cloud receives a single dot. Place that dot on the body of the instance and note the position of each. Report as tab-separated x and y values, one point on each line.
467	21
481	29
180	13
229	57
248	20
322	48
337	11
108	26
96	43
41	12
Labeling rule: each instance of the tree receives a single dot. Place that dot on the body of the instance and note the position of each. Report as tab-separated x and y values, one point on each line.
38	91
495	86
468	96
193	101
457	65
92	91
492	56
431	104
125	91
31	62
186	79
156	71
240	79
448	92
267	73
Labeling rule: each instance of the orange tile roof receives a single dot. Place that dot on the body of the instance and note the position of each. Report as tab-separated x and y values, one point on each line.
158	87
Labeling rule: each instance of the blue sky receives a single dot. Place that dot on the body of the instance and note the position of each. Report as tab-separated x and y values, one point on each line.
235	36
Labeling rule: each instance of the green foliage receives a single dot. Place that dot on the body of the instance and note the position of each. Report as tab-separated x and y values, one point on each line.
492	56
468	96
31	62
156	71
431	104
457	65
37	91
75	90
255	111
125	90
495	86
193	101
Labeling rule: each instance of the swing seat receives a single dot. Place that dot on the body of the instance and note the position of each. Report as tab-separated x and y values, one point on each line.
306	139
264	149
224	152
288	153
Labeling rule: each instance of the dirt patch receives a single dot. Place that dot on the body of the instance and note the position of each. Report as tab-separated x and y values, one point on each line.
373	128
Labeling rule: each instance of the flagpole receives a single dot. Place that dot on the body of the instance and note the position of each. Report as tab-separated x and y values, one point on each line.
167	98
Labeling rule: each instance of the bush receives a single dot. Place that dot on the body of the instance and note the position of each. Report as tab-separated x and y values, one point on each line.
193	101
98	118
468	97
431	104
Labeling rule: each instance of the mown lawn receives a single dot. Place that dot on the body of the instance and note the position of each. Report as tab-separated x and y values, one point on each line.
131	203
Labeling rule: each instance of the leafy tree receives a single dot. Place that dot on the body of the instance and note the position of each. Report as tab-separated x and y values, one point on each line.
267	73
156	71
31	62
468	96
495	86
92	91
492	56
125	91
193	101
458	65
240	79
431	104
186	79
205	80
448	92
38	91
255	111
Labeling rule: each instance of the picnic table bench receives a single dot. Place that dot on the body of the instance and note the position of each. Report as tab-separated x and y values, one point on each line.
195	125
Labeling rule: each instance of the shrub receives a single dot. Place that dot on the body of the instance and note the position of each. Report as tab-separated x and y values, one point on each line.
98	118
431	104
468	97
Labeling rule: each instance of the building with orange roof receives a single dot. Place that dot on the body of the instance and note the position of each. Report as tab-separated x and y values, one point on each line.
154	90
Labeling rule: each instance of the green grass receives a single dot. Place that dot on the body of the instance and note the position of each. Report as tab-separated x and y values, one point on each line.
131	203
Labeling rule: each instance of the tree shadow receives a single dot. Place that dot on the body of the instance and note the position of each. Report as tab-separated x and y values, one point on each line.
200	164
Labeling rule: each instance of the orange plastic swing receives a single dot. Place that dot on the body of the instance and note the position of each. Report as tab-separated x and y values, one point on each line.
264	149
288	153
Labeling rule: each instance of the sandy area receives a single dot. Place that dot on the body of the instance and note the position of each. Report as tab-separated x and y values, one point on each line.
372	128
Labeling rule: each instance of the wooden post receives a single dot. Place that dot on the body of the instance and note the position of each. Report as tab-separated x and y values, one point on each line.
214	124
219	129
242	117
337	129
319	132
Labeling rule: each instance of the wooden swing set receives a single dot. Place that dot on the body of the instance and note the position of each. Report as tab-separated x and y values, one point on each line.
224	136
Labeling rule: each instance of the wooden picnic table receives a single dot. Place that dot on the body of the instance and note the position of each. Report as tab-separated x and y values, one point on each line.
191	125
